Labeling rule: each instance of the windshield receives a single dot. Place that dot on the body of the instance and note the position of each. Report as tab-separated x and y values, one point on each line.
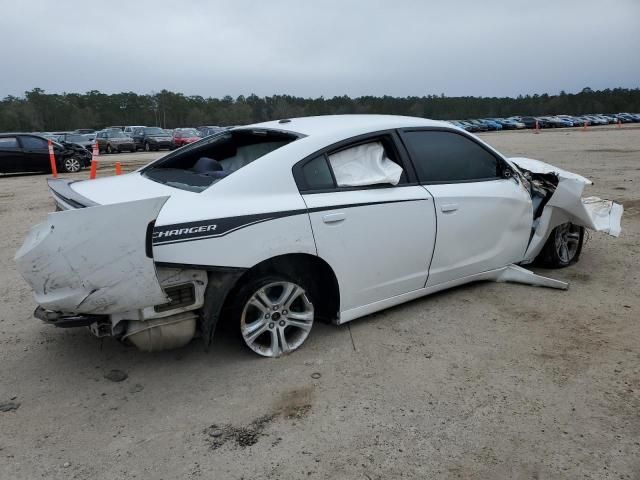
154	131
116	134
200	165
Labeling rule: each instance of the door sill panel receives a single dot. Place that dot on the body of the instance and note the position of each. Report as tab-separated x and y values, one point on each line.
511	273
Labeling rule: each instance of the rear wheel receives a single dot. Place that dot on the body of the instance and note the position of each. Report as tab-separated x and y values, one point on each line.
275	315
563	246
109	149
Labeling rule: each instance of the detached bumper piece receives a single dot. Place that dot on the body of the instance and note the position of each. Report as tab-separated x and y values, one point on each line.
66	320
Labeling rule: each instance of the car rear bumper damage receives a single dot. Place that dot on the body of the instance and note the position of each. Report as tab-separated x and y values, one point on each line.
92	266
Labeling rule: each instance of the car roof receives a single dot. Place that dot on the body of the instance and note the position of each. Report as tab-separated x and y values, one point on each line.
349	125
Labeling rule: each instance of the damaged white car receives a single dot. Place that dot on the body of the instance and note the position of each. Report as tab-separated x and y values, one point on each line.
277	225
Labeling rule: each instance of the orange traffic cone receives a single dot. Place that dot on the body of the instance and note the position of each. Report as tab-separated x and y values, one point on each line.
52	161
118	168
94	169
584	127
96	150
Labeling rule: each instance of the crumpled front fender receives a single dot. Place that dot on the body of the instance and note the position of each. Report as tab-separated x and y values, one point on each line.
94	260
567	205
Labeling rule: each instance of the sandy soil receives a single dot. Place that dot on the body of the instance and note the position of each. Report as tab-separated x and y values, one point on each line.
484	381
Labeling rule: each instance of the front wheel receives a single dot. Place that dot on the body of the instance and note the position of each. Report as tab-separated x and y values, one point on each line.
275	315
71	165
563	247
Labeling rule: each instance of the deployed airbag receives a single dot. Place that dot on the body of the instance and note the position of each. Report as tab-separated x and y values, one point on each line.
364	165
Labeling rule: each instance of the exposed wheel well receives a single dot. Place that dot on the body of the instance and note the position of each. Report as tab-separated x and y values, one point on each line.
309	269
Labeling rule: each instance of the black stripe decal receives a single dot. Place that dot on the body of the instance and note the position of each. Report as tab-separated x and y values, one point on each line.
203	229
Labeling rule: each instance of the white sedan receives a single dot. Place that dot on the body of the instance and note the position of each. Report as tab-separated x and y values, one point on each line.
276	225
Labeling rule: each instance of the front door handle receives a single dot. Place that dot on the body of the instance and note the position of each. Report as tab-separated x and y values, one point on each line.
449	207
334	217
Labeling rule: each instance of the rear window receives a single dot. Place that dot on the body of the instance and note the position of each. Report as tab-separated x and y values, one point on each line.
201	164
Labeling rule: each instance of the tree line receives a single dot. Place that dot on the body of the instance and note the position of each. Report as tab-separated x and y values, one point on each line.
41	111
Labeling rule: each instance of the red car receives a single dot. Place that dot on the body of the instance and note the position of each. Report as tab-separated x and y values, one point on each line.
184	136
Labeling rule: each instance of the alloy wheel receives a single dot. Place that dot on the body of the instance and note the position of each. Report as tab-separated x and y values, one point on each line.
567	240
72	165
277	319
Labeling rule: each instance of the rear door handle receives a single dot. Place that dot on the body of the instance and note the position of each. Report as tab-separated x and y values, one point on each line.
449	207
334	217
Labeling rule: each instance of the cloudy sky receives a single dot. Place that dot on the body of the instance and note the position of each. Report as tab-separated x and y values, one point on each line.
320	47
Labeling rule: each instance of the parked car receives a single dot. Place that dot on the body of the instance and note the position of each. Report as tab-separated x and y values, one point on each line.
184	136
468	126
530	122
508	124
491	124
129	129
114	141
79	139
482	127
595	120
555	122
21	152
273	226
205	131
152	138
85	130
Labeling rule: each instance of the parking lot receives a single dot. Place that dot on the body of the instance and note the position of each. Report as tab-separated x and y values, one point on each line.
482	381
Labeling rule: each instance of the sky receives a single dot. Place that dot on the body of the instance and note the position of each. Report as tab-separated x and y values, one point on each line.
313	48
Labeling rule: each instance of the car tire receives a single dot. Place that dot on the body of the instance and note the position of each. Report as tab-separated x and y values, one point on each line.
109	149
71	165
274	314
563	247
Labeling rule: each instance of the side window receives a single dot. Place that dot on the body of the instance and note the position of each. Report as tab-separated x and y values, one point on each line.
9	143
316	174
364	164
442	157
34	143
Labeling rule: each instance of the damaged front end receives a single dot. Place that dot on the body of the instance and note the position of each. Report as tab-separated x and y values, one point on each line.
94	267
557	199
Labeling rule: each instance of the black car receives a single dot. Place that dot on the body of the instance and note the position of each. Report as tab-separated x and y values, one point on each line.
152	138
77	138
22	152
530	122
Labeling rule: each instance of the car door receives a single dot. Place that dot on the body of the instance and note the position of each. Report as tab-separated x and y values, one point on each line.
484	215
35	154
10	154
377	237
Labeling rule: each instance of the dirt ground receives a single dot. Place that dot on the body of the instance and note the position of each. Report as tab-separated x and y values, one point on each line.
486	381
